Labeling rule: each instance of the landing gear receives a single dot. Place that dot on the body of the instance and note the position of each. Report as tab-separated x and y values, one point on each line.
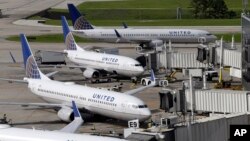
134	80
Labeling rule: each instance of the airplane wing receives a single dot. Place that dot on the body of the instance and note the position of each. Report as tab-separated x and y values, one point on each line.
120	38
70	128
134	91
153	83
24	81
48	105
76	123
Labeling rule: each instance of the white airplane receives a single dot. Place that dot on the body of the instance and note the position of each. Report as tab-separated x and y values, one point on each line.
144	37
8	133
112	104
95	63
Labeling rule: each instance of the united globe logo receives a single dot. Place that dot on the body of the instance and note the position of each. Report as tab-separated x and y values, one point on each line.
32	69
70	42
81	23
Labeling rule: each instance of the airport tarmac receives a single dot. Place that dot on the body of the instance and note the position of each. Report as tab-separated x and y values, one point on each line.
47	118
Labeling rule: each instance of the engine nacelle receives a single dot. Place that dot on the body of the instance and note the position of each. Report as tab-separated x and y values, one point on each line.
202	40
155	43
66	114
91	73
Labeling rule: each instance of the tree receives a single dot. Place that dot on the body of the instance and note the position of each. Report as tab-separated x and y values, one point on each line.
211	9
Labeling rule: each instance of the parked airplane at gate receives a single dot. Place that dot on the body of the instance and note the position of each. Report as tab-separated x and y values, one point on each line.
8	133
112	104
94	63
145	37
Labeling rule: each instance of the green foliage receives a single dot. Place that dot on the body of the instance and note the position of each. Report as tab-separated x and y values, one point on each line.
228	37
214	9
124	14
147	4
132	4
164	22
141	13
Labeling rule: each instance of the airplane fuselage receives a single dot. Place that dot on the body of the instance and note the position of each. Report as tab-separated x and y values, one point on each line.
107	103
8	133
144	35
120	65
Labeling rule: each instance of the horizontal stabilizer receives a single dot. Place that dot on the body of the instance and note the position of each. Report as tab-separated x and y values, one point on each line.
47	105
51	74
13	80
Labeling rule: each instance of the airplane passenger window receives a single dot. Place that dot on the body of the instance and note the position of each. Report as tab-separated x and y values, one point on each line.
143	106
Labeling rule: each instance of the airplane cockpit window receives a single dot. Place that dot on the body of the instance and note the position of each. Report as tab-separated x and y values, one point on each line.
209	34
138	65
134	106
142	106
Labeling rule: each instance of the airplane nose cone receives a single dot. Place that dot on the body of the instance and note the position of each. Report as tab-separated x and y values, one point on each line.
212	38
140	70
146	114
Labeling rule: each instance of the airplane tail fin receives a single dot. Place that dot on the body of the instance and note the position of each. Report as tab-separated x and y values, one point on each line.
30	65
78	20
68	36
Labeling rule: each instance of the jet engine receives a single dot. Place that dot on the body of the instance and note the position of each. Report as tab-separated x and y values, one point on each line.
66	114
155	43
91	73
202	40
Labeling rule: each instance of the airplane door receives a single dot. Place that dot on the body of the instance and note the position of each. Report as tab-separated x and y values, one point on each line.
92	34
126	66
124	107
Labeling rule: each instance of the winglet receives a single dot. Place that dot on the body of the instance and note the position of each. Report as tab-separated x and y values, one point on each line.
12	57
30	65
152	84
124	25
117	34
152	75
76	123
78	20
75	110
